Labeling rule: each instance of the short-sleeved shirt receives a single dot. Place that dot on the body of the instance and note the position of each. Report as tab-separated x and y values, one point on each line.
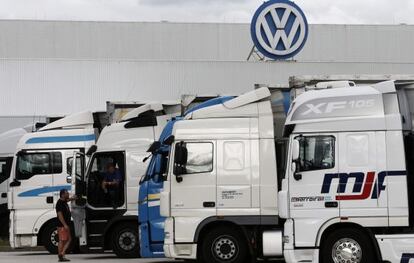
113	177
62	206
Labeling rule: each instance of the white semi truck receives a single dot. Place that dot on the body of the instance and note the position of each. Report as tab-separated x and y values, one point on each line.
337	188
347	194
104	222
43	165
8	143
38	172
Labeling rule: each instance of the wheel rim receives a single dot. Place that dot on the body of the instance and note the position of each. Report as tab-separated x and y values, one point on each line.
346	250
54	238
127	241
224	248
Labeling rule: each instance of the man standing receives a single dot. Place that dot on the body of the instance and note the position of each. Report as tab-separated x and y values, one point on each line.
111	183
63	215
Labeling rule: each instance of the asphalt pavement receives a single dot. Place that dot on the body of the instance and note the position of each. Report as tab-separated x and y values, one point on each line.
44	257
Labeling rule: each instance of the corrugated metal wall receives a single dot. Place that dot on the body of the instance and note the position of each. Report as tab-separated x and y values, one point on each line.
194	41
61	87
50	67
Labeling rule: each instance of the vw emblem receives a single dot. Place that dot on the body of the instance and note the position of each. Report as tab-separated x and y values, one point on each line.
279	29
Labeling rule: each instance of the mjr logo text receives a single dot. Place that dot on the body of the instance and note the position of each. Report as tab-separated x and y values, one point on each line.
369	185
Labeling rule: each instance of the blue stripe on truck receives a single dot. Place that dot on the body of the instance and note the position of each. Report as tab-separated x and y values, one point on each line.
54	139
44	190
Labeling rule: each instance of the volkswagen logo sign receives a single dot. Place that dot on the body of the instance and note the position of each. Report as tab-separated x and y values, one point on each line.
279	29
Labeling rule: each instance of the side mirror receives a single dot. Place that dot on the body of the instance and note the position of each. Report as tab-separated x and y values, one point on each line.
180	160
180	154
169	140
295	150
91	150
154	146
69	163
15	183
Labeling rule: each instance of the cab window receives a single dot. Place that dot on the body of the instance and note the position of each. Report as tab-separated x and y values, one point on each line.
30	164
316	153
200	158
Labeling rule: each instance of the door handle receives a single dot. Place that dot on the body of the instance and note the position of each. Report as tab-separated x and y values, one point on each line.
209	204
331	204
297	177
3	195
49	199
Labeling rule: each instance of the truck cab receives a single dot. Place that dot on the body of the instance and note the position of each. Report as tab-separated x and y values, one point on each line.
39	170
107	218
347	192
8	143
151	223
220	195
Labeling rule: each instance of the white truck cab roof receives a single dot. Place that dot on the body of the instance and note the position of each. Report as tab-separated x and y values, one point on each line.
122	135
77	120
244	105
72	131
364	107
249	114
165	108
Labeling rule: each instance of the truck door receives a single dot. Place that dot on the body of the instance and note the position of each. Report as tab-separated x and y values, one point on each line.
312	187
193	190
33	188
151	222
75	166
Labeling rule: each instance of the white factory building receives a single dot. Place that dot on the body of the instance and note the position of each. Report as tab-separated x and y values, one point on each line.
59	67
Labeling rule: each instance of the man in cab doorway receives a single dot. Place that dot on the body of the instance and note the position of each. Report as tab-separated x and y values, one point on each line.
111	183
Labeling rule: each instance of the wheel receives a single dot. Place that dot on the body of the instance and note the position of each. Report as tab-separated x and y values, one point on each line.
125	241
50	238
223	245
347	245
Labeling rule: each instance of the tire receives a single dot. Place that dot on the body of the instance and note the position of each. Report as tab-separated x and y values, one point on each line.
224	245
50	237
345	245
125	240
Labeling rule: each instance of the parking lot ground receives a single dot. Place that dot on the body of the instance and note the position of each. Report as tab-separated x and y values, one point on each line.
44	257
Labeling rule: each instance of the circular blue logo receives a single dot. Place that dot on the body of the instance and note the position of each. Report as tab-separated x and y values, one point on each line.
279	29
